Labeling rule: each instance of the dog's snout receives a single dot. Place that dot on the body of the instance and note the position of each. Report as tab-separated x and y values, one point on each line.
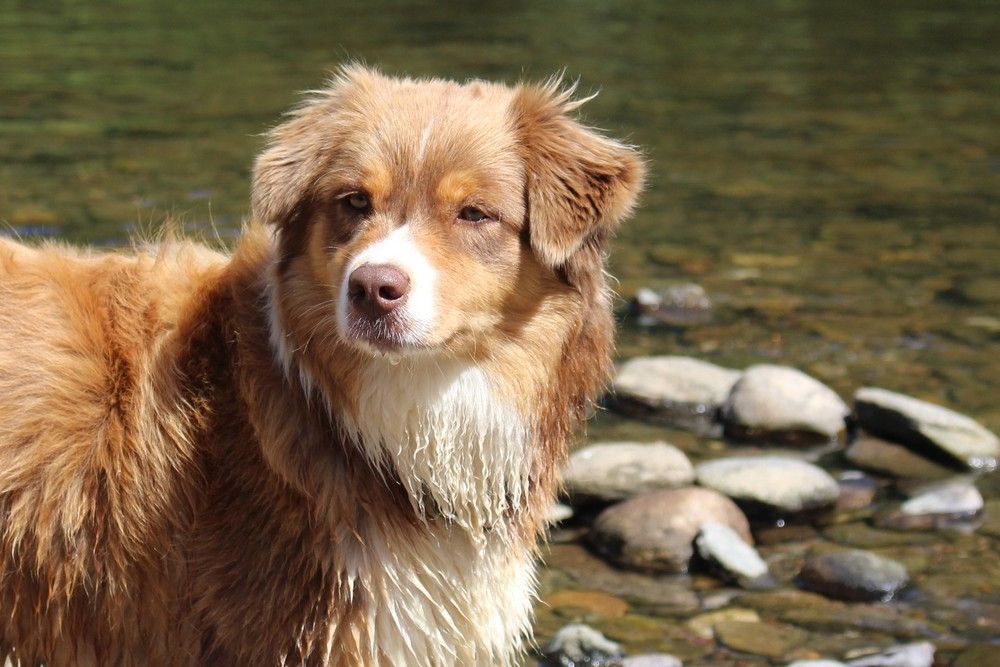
376	289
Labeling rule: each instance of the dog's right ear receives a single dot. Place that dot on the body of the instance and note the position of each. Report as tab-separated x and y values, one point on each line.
299	150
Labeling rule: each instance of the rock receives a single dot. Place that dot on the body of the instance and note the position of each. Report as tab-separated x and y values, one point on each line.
768	639
703	625
680	391
889	458
719	544
579	645
816	663
774	483
652	660
607	472
594	603
677	305
857	491
654	532
930	429
980	655
558	513
919	654
853	575
943	505
777	402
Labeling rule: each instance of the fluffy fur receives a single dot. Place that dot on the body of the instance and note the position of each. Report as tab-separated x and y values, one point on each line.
211	459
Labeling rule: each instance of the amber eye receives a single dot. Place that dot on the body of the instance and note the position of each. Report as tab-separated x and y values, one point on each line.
359	201
472	214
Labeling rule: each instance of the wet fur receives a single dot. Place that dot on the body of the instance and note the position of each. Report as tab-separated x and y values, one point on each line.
195	470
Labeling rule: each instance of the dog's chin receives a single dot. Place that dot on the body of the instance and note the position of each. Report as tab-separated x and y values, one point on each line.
387	339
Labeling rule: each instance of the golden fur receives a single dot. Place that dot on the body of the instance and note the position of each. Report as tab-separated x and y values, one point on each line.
198	467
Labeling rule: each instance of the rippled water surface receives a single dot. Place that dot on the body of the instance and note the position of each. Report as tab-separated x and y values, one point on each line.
828	171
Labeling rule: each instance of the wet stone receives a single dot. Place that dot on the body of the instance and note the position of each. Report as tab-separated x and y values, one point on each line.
774	483
722	547
704	624
929	429
654	532
944	505
981	655
677	305
607	472
816	663
558	513
579	645
652	660
918	654
780	403
772	640
680	391
889	458
592	603
853	575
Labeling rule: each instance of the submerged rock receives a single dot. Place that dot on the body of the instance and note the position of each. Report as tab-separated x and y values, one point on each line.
918	654
774	482
891	459
930	429
580	645
948	504
652	660
783	403
680	391
607	472
655	532
853	575
720	545
677	305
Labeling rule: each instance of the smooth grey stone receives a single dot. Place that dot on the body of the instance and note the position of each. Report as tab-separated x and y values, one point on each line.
919	654
928	428
652	660
721	545
606	472
853	575
655	532
948	498
579	645
776	482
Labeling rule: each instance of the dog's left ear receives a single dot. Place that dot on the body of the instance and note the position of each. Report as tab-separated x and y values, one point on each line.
580	184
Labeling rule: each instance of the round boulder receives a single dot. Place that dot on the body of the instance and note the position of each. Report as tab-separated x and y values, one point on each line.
608	472
853	575
927	428
655	532
782	403
773	483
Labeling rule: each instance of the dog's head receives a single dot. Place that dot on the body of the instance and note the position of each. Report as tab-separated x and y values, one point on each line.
427	216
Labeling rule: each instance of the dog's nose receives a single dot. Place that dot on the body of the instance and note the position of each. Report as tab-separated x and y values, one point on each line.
376	289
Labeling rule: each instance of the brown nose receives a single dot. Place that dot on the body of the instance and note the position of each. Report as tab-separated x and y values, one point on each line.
376	289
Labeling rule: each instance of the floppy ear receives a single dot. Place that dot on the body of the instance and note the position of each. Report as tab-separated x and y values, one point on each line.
298	150
580	184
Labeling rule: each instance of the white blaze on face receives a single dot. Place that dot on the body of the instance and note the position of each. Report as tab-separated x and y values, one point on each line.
398	249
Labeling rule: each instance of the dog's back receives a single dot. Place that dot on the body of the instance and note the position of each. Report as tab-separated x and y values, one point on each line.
87	519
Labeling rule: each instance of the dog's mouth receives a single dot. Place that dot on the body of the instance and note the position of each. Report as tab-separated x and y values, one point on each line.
386	335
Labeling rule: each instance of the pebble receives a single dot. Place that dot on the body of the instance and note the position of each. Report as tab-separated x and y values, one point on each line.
853	575
777	483
719	544
889	458
943	505
558	513
778	402
927	428
681	391
918	654
608	472
579	645
652	660
677	305
654	532
768	639
857	491
703	625
816	663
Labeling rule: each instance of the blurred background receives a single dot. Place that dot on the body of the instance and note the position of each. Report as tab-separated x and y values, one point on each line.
828	172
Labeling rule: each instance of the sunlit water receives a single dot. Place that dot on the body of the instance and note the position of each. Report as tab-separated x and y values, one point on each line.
829	172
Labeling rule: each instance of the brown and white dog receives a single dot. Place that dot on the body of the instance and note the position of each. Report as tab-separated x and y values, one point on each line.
335	446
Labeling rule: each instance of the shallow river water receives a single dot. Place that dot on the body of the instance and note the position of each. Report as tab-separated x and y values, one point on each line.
828	172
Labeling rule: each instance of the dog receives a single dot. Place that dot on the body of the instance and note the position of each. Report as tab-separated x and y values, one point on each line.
336	444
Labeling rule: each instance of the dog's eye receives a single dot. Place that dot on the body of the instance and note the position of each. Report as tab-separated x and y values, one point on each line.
472	214
359	201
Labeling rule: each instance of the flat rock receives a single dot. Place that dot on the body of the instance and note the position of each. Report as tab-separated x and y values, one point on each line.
777	483
930	429
652	660
680	391
768	639
816	663
720	545
782	403
676	305
607	472
654	532
918	654
943	505
892	459
853	575
580	645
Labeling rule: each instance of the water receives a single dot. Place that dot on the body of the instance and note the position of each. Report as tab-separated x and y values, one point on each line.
829	172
